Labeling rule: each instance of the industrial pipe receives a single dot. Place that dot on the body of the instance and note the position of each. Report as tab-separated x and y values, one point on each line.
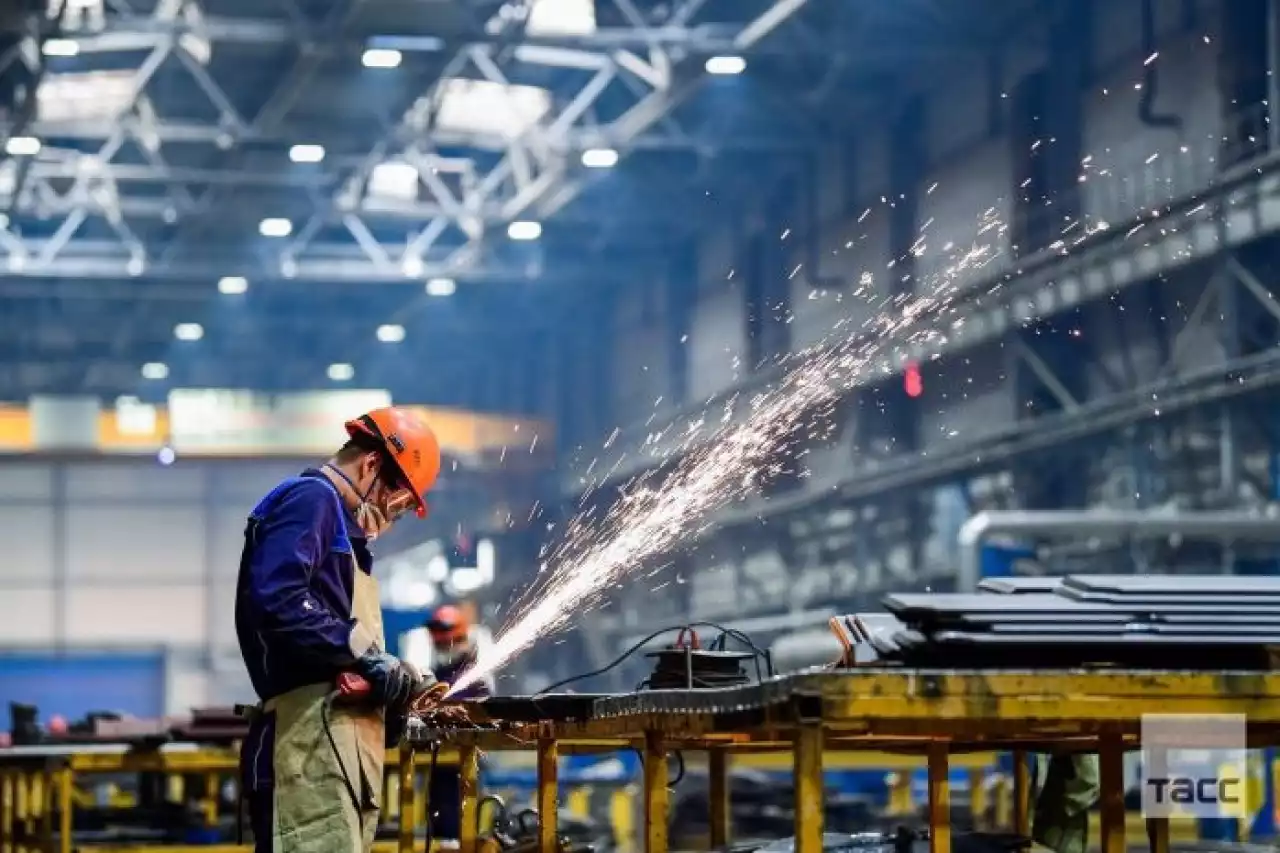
1228	526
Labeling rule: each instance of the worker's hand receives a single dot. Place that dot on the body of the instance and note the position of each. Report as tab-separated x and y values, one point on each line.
393	681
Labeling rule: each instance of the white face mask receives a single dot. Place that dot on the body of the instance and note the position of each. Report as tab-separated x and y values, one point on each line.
372	520
375	520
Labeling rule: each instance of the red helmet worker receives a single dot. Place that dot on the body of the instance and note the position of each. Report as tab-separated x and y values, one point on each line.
453	641
308	611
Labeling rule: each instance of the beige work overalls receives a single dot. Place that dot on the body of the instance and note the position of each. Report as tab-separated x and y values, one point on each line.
318	808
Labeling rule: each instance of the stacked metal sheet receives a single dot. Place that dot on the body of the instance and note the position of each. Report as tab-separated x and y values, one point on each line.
1211	621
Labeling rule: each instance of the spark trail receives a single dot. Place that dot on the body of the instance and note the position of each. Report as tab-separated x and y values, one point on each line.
718	468
722	466
648	521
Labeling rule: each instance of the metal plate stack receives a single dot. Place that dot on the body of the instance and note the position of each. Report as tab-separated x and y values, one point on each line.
1212	622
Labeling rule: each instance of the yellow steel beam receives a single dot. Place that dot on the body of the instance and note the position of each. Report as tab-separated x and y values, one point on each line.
1021	793
656	802
808	788
718	779
469	786
548	796
939	798
1111	780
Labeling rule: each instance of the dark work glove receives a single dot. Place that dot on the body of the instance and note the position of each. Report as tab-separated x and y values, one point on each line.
393	683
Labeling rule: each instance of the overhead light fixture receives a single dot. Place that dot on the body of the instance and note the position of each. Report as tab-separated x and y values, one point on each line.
232	285
394	180
441	287
381	57
306	153
275	227
341	372
411	266
155	370
725	65
524	230
599	158
391	333
22	146
188	331
60	47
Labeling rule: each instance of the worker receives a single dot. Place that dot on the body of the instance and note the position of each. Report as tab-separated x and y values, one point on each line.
1067	787
308	611
453	647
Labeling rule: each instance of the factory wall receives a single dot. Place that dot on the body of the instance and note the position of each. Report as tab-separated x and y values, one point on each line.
977	132
129	556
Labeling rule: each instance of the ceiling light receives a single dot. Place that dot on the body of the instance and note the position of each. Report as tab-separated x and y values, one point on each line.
394	180
341	372
599	158
391	333
188	331
232	285
524	230
381	57
441	287
275	227
726	65
306	153
60	47
22	146
411	266
155	370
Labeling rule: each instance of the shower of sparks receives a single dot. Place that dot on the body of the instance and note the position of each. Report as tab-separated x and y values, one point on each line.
722	462
724	466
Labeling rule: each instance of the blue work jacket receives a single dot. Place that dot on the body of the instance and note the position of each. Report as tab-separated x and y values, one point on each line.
293	596
293	600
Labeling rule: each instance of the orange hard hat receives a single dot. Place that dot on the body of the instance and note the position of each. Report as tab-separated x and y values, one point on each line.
448	623
409	442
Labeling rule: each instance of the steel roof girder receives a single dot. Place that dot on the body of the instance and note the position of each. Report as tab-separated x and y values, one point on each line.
660	104
97	260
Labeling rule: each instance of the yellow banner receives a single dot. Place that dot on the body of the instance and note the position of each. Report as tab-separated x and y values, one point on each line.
140	429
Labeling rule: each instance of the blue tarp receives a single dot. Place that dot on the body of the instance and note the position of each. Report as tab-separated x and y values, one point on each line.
72	685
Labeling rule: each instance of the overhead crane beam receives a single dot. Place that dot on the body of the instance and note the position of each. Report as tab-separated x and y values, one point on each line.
534	166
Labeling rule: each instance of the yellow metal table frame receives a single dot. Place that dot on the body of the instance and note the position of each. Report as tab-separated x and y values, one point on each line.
38	788
933	713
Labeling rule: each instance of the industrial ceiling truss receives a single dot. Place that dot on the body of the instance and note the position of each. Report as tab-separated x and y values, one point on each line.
182	140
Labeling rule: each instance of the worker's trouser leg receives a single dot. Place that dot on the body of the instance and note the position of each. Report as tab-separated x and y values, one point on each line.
262	819
341	830
326	777
1067	787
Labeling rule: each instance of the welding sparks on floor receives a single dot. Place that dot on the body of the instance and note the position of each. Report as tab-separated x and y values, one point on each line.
722	466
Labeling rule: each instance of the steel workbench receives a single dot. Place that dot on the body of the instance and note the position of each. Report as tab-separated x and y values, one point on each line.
934	713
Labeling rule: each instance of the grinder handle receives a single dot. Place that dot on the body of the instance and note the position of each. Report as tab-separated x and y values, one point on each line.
352	685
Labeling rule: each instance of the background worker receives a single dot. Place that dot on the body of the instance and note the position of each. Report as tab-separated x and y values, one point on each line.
307	611
453	644
1067	787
